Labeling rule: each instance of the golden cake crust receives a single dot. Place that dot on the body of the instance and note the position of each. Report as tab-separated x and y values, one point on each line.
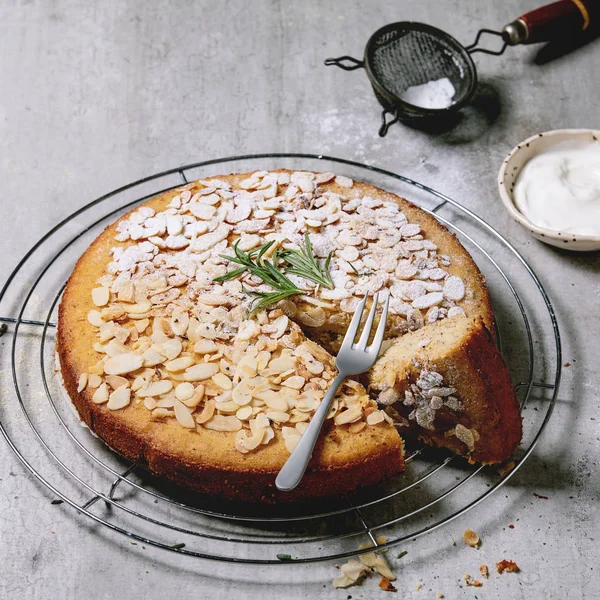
206	460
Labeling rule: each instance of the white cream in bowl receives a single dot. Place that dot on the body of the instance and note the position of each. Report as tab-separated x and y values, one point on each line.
550	184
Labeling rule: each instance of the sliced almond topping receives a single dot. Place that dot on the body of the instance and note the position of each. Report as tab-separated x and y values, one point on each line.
224	423
375	417
243	413
357	427
172	348
150	403
141	325
201	371
83	379
296	382
94	380
349	415
161	413
241	394
179	364
122	363
184	416
291	437
156	388
180	320
204	346
282	364
279	417
273	400
120	398
116	381
101	394
100	296
184	391
152	358
138	309
95	317
222	381
207	412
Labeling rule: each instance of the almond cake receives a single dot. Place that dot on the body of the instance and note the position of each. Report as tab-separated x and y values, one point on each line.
201	372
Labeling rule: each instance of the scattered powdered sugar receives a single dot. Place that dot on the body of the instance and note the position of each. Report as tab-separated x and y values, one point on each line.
433	94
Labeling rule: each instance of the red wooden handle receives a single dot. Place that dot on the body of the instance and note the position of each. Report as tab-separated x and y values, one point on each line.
557	20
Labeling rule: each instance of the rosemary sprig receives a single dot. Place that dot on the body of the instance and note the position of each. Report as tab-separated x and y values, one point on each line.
254	262
304	264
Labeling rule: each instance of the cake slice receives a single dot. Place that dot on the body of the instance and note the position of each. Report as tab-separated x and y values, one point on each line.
448	380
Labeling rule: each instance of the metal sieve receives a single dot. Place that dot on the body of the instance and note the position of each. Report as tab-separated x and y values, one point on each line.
406	54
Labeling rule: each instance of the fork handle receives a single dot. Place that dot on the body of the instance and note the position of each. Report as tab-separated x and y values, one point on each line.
293	470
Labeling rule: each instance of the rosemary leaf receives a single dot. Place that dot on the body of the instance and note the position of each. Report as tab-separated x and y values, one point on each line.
304	264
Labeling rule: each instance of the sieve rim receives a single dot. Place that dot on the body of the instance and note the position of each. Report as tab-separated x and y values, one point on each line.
395	102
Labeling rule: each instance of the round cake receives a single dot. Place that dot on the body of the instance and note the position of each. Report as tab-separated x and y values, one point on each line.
196	333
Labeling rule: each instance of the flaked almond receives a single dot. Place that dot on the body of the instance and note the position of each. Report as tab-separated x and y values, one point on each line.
295	382
375	417
204	346
161	413
171	348
150	403
101	394
282	364
180	320
201	371
94	380
222	381
95	317
116	381
278	416
349	415
152	358
179	364
100	296
184	391
224	423
357	427
243	413
141	325
83	379
207	412
184	415
120	398
138	309
122	364
156	388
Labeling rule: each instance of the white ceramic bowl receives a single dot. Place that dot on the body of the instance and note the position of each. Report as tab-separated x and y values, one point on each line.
509	172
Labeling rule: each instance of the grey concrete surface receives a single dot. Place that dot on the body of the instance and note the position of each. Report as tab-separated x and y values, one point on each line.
97	94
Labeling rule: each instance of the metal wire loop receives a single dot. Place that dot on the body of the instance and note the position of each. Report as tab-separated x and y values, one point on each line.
473	47
339	62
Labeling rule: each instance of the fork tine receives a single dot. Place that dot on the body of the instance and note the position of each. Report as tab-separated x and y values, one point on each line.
354	324
376	345
364	338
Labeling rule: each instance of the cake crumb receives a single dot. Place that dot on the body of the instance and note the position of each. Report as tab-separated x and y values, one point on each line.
386	585
507	566
471	538
439	595
472	582
419	586
484	571
540	496
505	468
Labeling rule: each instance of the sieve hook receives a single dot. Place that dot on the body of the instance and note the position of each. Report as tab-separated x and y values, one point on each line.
385	124
473	47
339	62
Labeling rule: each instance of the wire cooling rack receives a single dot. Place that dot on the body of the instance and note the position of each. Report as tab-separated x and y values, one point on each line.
42	429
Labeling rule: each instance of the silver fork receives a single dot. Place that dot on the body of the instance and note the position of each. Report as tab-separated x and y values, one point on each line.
352	359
